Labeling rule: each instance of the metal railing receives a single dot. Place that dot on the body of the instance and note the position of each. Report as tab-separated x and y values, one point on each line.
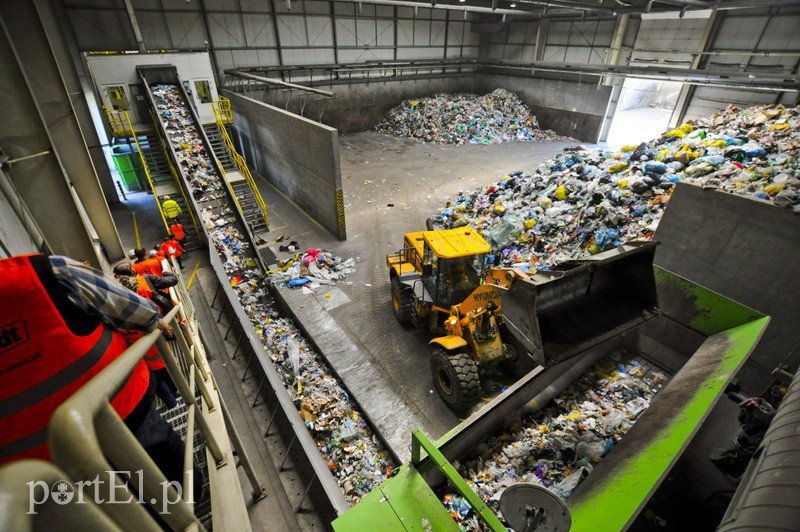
87	436
420	441
223	113
225	110
119	122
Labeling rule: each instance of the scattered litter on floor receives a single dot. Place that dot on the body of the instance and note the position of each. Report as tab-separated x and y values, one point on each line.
314	268
348	445
464	118
585	201
560	445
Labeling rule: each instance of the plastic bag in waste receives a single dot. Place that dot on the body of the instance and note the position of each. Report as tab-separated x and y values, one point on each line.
293	348
505	231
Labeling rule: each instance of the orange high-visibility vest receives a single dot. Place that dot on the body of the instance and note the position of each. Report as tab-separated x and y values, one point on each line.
43	363
144	288
151	266
177	230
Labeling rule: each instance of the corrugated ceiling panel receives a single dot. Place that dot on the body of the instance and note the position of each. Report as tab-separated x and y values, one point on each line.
319	31
292	31
365	32
738	33
101	30
405	32
385	32
259	30
155	34
313	7
255	6
220	5
226	30
307	57
186	30
437	32
420	53
422	32
345	32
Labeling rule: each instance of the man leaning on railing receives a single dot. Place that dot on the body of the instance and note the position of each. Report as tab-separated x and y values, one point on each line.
60	324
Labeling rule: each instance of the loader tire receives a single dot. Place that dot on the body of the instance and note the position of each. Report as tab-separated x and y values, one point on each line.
402	302
519	362
455	377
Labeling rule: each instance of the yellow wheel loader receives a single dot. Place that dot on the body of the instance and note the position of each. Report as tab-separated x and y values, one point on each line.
438	283
484	316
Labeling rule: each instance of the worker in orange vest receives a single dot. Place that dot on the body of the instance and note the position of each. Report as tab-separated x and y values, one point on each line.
145	264
165	387
173	248
177	230
148	286
63	329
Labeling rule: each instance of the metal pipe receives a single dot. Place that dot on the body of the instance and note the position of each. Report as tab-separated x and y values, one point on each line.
279	83
188	452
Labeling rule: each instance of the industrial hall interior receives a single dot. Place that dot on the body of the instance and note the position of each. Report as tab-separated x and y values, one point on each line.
387	265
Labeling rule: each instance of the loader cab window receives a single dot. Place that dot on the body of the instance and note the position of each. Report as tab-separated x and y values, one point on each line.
459	277
430	262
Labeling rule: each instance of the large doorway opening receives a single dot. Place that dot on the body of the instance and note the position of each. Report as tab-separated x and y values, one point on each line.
643	112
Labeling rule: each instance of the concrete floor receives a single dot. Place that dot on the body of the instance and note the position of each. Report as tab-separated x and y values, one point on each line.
417	178
376	170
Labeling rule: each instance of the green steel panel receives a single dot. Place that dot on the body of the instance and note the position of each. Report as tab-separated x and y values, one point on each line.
404	502
702	309
612	502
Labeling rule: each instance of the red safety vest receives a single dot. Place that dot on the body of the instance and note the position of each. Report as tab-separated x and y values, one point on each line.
152	358
177	249
42	362
177	230
151	266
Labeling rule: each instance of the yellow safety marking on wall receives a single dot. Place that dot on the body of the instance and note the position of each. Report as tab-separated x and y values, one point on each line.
194	272
340	215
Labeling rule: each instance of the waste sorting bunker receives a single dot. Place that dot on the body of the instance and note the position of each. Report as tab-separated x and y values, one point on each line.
694	334
236	263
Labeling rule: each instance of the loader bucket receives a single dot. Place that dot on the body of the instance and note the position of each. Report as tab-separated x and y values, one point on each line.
557	314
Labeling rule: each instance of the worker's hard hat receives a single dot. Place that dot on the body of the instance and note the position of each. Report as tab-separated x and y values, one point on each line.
153	253
166	198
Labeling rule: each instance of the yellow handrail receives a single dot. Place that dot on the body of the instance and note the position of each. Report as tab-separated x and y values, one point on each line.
225	109
120	123
223	113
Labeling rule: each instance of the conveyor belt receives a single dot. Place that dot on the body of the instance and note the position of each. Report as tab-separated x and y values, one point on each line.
238	265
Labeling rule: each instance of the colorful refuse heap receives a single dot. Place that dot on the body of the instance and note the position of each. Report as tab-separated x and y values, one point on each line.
499	116
558	446
352	451
312	269
585	201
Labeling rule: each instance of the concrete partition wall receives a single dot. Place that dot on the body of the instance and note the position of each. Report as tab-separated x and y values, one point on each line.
297	155
567	107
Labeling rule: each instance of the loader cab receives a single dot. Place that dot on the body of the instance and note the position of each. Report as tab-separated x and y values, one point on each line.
453	264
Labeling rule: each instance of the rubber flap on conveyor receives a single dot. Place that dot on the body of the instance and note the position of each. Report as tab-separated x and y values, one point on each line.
557	314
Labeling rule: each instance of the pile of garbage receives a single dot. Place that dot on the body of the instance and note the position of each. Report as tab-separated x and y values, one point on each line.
464	118
585	201
313	268
560	445
351	449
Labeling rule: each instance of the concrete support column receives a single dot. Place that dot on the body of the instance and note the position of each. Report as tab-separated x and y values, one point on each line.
61	188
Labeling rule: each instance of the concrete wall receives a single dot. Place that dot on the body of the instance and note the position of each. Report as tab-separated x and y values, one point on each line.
299	156
359	107
568	108
744	249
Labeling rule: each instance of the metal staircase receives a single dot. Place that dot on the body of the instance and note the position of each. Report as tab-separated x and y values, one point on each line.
161	175
220	148
252	212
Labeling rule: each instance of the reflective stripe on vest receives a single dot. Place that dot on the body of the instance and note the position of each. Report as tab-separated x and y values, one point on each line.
42	363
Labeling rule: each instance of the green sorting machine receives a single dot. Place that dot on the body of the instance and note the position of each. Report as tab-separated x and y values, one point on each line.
618	300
